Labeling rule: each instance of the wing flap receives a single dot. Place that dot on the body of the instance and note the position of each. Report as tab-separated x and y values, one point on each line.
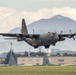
8	34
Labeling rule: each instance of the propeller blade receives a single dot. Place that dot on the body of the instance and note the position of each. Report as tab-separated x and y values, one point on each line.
73	38
70	31
61	32
72	35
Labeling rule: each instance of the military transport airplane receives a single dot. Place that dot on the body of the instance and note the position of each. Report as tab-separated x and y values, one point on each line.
37	40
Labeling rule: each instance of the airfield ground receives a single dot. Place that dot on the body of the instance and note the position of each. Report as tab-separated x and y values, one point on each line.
38	70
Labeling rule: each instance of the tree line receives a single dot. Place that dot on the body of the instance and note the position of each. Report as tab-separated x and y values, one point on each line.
27	54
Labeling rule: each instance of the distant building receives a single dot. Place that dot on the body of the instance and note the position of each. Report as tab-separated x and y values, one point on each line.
2	60
29	60
53	60
46	60
10	58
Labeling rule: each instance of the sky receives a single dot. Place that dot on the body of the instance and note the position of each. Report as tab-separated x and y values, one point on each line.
34	5
13	11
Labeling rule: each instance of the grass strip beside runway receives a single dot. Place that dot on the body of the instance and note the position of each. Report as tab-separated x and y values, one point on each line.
38	70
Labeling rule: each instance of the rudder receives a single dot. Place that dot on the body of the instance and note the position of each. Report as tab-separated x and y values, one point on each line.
24	28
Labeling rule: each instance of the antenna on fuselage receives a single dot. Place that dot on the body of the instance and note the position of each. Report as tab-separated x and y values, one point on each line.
33	31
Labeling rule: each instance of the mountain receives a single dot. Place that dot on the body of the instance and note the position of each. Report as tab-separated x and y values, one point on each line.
56	23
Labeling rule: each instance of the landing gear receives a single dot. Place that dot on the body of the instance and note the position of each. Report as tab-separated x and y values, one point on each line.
36	46
47	46
53	44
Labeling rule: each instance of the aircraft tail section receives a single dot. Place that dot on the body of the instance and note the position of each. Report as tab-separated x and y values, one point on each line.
24	28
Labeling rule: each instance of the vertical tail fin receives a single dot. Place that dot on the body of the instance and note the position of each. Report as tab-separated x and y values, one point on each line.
24	28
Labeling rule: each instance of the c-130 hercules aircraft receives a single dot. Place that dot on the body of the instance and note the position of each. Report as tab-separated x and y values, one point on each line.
37	40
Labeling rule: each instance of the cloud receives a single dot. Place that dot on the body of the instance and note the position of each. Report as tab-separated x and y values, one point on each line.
11	18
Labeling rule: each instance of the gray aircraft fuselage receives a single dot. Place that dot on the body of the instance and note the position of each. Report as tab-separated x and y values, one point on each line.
44	40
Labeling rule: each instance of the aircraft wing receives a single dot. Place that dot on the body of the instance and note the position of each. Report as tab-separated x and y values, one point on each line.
67	35
20	35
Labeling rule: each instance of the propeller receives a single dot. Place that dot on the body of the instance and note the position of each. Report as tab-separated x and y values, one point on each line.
60	35
61	32
72	35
